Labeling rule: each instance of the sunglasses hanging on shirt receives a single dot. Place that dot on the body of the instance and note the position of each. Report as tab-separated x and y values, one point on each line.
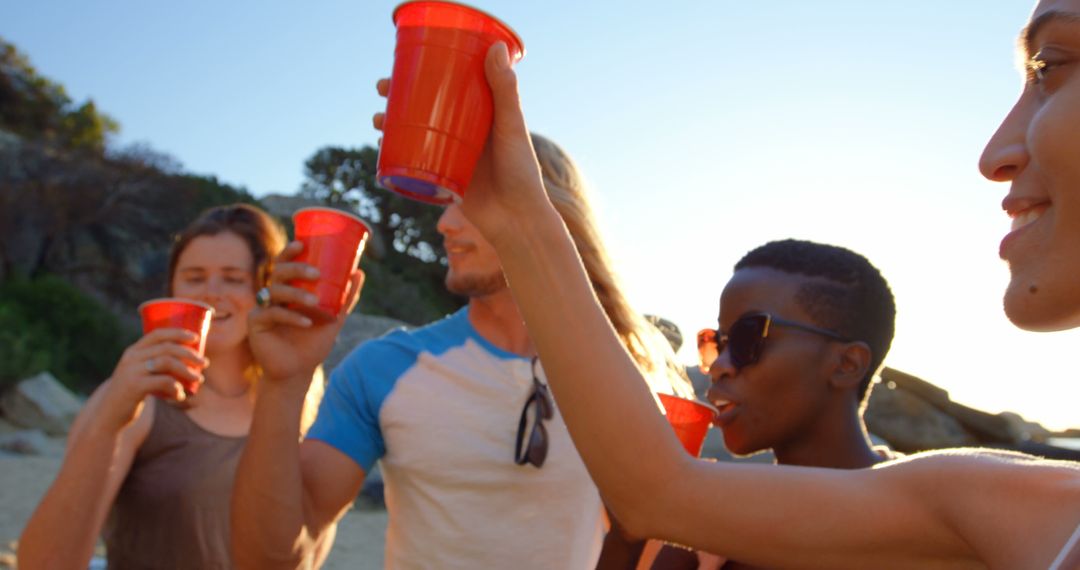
532	444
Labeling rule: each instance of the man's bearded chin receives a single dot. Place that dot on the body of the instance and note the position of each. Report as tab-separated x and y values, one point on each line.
476	285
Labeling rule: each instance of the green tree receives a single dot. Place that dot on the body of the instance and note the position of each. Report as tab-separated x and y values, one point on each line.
47	324
415	258
35	107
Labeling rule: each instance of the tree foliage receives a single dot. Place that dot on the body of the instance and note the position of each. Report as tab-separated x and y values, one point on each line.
104	223
407	283
37	108
47	324
85	230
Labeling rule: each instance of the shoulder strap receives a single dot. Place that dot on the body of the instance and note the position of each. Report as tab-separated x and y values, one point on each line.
1069	559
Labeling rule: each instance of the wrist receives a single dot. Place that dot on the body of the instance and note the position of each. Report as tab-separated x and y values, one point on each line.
288	386
100	429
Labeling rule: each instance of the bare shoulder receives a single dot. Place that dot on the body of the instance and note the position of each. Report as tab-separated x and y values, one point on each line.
980	462
966	472
1014	508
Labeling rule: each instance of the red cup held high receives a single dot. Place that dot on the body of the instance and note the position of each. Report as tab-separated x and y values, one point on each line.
181	314
439	108
690	420
333	242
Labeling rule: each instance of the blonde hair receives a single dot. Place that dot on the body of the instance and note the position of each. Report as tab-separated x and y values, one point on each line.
566	190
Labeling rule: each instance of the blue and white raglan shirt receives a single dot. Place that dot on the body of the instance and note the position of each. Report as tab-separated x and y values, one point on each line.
439	406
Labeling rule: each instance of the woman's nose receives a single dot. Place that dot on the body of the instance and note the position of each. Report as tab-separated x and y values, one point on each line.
1006	153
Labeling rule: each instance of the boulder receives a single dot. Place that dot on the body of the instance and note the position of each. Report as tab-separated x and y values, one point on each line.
984	427
910	423
7	427
284	206
359	328
1022	430
31	442
41	402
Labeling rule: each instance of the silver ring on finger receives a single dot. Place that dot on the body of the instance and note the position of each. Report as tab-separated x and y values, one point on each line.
149	365
262	297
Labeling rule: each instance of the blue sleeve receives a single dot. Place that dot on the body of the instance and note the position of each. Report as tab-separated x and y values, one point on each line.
348	417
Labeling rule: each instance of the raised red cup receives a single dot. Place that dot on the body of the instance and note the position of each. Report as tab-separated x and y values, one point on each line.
333	242
439	108
690	419
180	314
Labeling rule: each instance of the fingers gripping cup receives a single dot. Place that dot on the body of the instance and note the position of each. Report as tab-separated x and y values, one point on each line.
333	241
439	108
689	419
181	314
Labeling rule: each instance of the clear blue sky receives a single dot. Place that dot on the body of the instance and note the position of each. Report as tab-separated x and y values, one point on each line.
705	128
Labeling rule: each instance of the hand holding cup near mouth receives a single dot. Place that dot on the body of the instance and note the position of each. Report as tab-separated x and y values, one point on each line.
185	314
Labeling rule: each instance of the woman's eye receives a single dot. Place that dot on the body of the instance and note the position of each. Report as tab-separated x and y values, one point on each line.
1042	71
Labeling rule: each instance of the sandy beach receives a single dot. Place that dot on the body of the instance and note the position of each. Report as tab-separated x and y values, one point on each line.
24	479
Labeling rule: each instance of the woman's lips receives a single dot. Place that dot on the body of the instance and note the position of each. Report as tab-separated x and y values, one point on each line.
1021	221
1028	216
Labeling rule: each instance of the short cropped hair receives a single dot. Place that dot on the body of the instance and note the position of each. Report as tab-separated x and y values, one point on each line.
848	295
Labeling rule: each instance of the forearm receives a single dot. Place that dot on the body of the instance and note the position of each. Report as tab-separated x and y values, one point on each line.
269	508
73	510
598	394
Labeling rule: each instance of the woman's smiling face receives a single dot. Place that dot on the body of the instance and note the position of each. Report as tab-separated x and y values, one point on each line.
219	271
1037	150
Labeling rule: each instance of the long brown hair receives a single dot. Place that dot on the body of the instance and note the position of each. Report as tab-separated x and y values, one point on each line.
568	193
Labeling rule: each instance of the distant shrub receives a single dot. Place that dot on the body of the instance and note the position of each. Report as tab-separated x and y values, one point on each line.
24	346
48	324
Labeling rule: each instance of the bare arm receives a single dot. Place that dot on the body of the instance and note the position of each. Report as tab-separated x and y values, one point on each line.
288	495
101	447
905	515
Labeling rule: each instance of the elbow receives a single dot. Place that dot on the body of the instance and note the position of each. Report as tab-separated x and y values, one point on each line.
256	552
642	508
635	513
635	523
245	559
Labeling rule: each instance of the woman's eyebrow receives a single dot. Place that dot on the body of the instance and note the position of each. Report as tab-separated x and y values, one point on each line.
1031	31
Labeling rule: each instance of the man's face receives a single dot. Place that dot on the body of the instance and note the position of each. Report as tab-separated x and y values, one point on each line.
778	398
474	269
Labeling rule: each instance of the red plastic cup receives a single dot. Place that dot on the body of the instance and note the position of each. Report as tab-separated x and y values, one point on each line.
181	314
690	420
333	241
439	109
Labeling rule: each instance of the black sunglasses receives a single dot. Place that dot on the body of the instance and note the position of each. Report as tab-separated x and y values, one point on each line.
534	450
746	339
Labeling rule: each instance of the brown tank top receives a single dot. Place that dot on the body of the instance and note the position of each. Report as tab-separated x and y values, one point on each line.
172	510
